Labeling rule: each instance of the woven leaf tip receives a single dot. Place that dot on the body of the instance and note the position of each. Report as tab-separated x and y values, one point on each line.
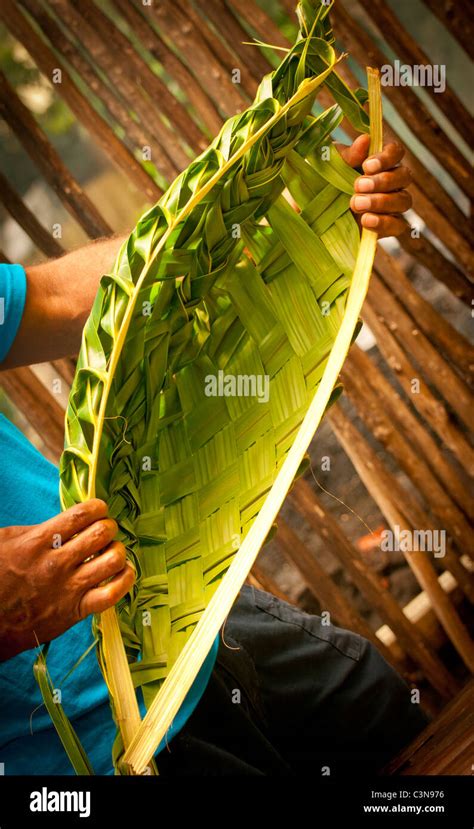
194	398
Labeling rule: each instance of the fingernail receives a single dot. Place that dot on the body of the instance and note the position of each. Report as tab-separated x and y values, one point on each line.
371	220
361	202
365	185
372	165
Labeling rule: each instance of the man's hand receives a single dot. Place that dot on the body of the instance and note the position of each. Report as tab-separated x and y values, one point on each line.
46	584
380	194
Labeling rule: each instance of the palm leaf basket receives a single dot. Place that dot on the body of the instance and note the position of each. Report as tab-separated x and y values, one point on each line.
223	278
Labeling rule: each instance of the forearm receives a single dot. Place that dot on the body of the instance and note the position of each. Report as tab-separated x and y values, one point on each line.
59	298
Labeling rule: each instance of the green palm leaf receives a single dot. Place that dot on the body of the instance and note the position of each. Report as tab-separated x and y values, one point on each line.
221	278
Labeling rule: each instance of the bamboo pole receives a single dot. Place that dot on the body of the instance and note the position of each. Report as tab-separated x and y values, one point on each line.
393	502
373	398
147	87
63	43
40	408
440	267
440	333
370	409
407	49
219	49
409	105
252	61
27	220
421	615
175	26
413	341
141	24
66	368
370	585
165	148
75	200
48	63
455	235
260	21
431	202
439	734
418	435
456	17
424	401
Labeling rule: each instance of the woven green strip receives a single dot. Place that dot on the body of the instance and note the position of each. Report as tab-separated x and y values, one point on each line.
205	345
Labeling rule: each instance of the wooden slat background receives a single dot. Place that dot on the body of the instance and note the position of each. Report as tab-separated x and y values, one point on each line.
425	435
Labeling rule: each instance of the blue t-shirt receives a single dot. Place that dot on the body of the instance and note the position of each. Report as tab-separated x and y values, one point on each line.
29	495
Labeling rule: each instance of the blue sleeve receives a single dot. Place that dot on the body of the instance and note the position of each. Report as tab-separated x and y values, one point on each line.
12	303
22	468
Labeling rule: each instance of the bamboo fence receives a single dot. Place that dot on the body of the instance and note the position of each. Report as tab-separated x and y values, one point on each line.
109	84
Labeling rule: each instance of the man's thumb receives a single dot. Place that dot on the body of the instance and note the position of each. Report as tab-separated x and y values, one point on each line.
357	152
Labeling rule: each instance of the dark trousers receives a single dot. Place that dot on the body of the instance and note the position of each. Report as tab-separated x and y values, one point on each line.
290	695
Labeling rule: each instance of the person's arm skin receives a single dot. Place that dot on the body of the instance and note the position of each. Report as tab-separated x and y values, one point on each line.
59	297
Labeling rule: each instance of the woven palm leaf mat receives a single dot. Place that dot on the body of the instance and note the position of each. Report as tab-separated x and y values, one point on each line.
206	344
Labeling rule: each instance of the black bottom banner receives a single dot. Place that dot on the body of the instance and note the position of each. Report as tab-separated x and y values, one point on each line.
99	801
